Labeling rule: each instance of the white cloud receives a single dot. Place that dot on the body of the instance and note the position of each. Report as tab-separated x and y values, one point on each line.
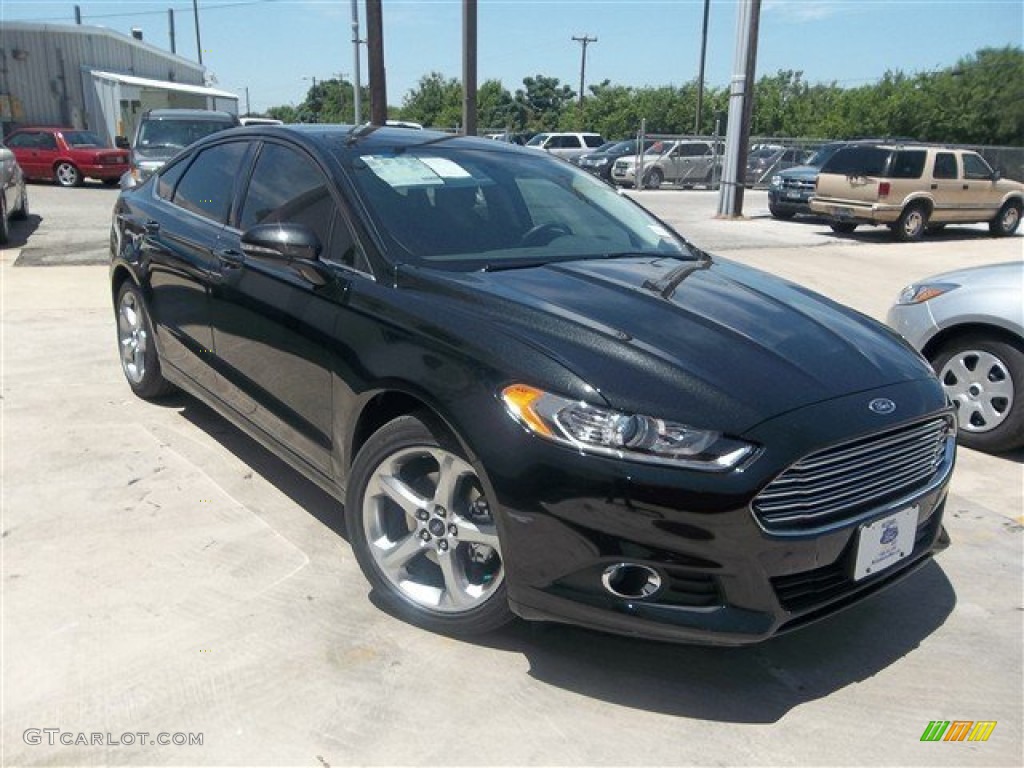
804	10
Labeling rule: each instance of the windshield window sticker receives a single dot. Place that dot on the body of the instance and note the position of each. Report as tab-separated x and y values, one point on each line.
403	171
445	168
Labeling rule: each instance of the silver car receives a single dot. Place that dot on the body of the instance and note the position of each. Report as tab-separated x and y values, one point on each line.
13	195
969	324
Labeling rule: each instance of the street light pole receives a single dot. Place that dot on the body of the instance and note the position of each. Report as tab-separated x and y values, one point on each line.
199	42
357	96
700	71
741	99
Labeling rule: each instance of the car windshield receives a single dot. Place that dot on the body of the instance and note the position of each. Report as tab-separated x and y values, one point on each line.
537	140
82	139
821	157
177	133
469	209
659	148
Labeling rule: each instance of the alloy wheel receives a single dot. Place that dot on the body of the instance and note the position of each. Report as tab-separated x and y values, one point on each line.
131	333
430	530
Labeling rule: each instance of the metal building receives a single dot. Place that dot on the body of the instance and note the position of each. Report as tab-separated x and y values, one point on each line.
94	77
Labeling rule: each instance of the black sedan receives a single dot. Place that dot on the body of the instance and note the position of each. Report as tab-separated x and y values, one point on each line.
532	397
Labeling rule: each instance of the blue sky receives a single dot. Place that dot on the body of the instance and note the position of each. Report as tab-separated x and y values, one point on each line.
271	45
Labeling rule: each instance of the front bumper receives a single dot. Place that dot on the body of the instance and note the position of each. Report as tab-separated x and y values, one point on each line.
726	580
789	201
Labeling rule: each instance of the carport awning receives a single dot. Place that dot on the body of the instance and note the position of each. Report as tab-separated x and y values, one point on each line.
163	85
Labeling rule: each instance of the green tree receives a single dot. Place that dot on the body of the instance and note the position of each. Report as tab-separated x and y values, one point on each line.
542	101
436	101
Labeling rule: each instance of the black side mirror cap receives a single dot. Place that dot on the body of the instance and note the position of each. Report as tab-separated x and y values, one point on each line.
121	142
282	242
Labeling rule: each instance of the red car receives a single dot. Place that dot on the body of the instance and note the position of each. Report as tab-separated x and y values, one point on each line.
66	155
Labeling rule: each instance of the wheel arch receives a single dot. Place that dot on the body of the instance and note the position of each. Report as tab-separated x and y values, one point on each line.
920	201
976	328
388	404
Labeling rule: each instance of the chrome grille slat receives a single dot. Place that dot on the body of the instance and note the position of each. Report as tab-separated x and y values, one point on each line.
804	481
841	482
835	504
836	454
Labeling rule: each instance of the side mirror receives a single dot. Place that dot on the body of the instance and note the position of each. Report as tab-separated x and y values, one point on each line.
996	175
293	245
121	142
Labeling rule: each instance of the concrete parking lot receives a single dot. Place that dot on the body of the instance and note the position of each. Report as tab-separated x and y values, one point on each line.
163	574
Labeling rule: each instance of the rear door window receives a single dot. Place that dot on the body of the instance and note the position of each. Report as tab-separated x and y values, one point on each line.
859	161
945	166
593	141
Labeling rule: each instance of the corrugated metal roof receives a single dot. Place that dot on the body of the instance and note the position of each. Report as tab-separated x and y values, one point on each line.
163	85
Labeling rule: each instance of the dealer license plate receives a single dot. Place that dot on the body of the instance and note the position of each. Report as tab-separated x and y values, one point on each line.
883	543
843	213
792	195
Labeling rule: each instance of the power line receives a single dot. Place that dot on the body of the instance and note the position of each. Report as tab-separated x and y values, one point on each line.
125	14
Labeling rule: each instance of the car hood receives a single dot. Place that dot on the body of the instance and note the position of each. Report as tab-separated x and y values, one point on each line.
800	172
1004	275
159	153
710	342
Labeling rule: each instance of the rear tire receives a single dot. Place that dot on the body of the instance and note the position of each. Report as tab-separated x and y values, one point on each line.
1007	220
911	224
654	179
67	175
5	228
21	212
843	227
137	345
423	531
984	378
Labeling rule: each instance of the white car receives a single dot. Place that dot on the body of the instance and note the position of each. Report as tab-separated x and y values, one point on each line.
566	145
679	162
13	195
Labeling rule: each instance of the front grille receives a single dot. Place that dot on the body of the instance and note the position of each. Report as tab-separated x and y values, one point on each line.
801	591
842	482
805	185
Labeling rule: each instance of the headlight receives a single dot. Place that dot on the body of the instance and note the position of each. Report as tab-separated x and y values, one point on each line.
776	180
920	292
592	429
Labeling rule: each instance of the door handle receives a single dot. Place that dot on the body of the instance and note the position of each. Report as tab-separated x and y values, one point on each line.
935	186
230	258
967	186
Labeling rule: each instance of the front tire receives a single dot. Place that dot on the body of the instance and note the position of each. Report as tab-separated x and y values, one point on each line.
424	532
984	379
779	213
654	179
139	359
1006	221
5	227
67	175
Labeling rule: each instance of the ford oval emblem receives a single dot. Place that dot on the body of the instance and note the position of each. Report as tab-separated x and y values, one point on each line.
882	405
889	534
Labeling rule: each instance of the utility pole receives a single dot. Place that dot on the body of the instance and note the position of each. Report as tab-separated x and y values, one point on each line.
357	96
247	111
584	42
199	42
700	71
375	60
469	67
741	103
78	15
170	29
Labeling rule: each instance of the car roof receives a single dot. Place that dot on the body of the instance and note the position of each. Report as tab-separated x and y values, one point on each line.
191	114
352	139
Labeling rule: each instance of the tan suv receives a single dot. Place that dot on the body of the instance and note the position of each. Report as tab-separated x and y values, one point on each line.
914	188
